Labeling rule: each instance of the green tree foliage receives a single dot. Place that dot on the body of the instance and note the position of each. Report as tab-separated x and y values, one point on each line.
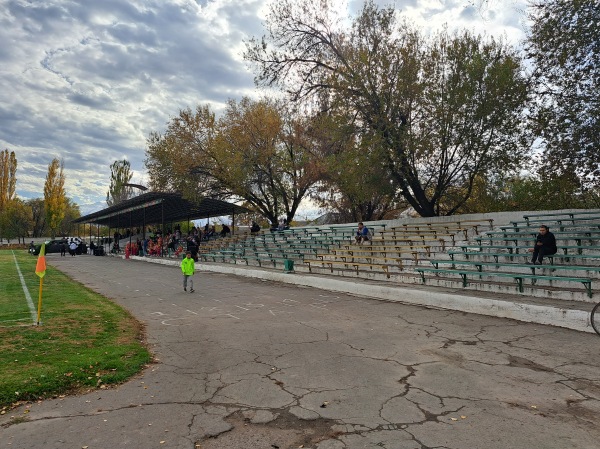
171	156
38	212
446	109
564	44
72	212
55	201
354	184
120	174
15	219
521	193
257	152
8	178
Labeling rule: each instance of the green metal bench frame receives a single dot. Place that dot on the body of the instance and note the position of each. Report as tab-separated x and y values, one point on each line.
587	283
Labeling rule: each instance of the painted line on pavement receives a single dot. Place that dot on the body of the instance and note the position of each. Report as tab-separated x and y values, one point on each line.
26	291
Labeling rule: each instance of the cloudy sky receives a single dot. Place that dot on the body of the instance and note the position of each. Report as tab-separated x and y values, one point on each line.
86	81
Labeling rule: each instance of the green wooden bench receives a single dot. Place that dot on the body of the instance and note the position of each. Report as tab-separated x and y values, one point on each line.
570	215
561	227
518	277
517	249
565	256
577	233
480	265
260	259
516	240
560	221
524	249
217	255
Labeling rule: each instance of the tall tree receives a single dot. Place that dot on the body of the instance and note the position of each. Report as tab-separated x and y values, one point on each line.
120	174
8	178
16	219
354	184
55	201
171	156
258	152
564	44
446	109
72	212
38	212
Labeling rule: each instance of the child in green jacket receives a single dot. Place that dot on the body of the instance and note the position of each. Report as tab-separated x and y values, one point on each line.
187	268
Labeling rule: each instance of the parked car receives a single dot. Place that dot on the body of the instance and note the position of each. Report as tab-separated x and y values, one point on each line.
53	246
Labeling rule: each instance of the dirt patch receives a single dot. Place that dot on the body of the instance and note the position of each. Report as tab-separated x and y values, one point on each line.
287	431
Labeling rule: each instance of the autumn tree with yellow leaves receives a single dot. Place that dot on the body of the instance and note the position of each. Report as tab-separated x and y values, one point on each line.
258	152
8	179
55	200
8	182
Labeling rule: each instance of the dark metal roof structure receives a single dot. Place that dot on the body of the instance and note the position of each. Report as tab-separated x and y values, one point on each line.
159	207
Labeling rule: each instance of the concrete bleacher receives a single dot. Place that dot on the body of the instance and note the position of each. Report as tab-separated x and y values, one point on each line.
571	274
477	256
466	252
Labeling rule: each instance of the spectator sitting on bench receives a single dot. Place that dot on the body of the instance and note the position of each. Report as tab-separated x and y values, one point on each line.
210	233
283	225
545	245
362	233
254	228
225	230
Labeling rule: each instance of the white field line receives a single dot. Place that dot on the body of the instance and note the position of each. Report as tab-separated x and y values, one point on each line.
26	291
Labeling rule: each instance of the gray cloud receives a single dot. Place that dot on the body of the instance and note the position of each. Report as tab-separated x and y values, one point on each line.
87	81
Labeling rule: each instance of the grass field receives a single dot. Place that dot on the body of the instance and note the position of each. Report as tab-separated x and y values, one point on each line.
84	341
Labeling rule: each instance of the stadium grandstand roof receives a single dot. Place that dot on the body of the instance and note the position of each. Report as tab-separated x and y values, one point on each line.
159	207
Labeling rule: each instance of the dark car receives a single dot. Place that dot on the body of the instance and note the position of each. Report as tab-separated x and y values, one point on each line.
53	246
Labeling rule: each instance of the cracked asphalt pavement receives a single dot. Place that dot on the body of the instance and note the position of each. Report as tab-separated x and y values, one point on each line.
245	363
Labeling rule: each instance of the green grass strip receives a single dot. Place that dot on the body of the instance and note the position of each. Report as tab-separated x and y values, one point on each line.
85	340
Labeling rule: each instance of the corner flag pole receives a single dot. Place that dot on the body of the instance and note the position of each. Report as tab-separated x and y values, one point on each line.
40	270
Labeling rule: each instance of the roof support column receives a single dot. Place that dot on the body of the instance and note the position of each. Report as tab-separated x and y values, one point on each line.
130	231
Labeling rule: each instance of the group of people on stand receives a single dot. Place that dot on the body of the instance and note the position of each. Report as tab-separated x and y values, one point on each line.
173	243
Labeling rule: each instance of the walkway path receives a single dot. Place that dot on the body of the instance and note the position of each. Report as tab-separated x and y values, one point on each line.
245	363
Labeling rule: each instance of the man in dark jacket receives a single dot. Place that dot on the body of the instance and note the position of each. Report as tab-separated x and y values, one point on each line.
545	245
225	230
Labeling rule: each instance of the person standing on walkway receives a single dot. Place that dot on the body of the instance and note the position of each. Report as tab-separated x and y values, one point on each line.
187	268
545	245
63	248
73	248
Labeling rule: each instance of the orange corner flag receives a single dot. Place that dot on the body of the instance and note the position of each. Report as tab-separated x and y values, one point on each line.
40	268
